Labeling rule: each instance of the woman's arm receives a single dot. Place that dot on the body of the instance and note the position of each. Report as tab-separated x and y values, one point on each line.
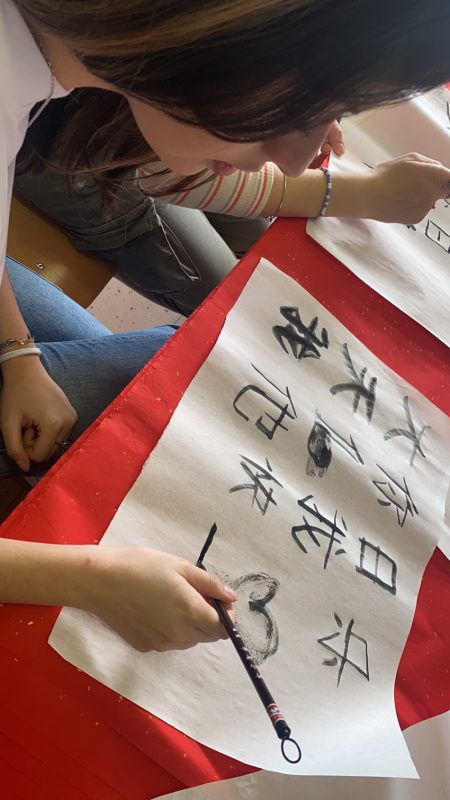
154	600
34	413
402	190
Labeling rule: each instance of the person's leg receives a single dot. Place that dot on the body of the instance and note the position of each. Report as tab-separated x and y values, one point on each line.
239	233
93	368
173	257
93	372
169	254
177	263
181	261
49	313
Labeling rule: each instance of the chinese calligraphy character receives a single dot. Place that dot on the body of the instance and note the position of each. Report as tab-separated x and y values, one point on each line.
319	447
357	386
302	340
437	235
411	434
255	623
370	553
258	475
285	409
354	651
328	529
256	626
408	506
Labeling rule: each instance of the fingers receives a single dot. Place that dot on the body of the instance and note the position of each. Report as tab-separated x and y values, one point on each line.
440	177
31	444
28	436
208	584
335	140
48	439
12	436
157	601
210	587
204	636
28	440
407	188
45	444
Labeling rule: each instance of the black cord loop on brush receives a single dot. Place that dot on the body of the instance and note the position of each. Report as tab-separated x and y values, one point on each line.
298	752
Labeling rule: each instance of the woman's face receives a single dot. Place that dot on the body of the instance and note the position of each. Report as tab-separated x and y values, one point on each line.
187	150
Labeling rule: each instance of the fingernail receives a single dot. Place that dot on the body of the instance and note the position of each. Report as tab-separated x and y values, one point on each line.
340	149
230	593
24	464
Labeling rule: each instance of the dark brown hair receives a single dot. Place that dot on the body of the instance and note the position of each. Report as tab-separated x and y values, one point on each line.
245	70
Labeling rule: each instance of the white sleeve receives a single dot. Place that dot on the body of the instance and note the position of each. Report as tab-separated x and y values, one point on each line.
243	194
6	184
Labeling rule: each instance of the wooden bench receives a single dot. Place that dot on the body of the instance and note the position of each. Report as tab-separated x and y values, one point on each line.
40	245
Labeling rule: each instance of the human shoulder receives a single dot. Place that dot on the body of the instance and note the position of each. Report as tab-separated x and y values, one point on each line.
25	78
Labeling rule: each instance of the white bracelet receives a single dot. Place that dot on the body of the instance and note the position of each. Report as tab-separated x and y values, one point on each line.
25	351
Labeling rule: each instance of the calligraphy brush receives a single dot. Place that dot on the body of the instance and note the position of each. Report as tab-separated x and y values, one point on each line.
280	725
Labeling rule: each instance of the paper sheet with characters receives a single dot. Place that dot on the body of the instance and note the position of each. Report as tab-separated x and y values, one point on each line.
326	475
407	264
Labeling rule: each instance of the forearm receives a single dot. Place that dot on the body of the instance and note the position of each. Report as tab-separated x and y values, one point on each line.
242	194
12	324
304	195
44	574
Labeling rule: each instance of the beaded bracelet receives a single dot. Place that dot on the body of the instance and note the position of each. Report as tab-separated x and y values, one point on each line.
27	351
327	195
26	340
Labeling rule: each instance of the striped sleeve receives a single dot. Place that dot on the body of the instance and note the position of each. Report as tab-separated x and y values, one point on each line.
243	194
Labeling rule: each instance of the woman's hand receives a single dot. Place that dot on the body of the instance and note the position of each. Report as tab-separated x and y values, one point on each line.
405	189
154	600
334	141
35	414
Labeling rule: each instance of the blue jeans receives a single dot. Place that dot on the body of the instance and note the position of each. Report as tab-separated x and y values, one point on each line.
89	363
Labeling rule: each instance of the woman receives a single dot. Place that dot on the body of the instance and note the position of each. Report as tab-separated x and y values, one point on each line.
173	249
213	86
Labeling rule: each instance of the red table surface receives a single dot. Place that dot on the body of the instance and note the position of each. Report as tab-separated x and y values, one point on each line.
64	736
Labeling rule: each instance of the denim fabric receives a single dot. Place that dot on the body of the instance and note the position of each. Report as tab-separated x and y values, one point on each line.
89	363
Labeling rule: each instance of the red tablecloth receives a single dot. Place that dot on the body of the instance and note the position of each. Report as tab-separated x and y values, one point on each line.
63	736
